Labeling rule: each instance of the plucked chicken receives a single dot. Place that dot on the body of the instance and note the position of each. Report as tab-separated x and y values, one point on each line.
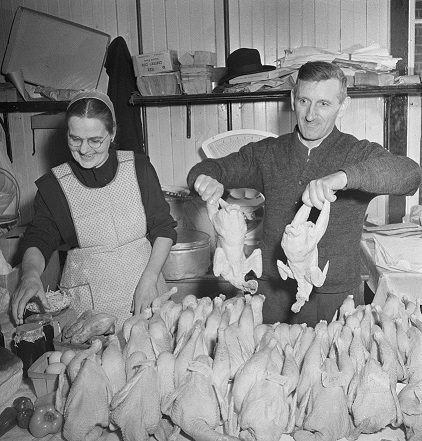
323	421
299	243
266	411
136	408
410	397
86	411
193	406
374	406
113	363
229	258
250	372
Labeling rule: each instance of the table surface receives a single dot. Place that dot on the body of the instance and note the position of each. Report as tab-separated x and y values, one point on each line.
26	389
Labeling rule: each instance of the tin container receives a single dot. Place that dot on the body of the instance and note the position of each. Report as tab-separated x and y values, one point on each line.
189	257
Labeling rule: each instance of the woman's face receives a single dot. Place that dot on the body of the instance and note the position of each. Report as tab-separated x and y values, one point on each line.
88	141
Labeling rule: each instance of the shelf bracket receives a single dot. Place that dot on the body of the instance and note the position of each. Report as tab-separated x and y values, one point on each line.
229	117
188	121
144	129
4	123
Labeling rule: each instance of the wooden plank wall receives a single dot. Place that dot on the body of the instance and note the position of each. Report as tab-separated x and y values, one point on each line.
271	26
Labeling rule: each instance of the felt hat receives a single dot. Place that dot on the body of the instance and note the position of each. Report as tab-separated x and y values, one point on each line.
243	61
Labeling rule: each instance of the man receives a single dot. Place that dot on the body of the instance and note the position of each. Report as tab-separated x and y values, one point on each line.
315	163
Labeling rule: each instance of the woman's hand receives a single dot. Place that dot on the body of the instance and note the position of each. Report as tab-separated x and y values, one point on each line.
33	265
208	188
31	286
319	190
146	291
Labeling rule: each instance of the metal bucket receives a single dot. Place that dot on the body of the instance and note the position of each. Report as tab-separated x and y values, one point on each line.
189	257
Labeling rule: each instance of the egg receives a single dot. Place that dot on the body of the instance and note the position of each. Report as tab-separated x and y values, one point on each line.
55	368
54	357
67	356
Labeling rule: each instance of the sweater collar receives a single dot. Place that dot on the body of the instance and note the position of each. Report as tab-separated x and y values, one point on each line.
335	133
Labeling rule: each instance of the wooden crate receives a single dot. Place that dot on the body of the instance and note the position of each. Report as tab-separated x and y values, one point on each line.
159	84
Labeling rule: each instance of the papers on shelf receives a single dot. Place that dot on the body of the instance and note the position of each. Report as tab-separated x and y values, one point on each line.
399	229
372	57
260	76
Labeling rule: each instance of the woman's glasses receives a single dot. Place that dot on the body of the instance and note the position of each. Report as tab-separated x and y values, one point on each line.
94	143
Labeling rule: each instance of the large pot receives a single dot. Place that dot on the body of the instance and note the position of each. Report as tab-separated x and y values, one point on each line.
189	257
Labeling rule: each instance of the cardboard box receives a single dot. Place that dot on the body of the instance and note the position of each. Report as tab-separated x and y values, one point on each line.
156	62
9	93
374	79
205	57
186	59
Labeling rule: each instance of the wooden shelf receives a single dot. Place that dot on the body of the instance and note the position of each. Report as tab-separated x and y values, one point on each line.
215	98
33	106
387	92
208	98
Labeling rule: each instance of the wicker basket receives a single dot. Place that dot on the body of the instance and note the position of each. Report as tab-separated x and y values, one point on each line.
228	142
9	192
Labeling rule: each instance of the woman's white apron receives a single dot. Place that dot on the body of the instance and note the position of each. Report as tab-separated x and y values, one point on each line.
110	224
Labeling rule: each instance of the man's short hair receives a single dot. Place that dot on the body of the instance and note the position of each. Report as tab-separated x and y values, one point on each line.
322	71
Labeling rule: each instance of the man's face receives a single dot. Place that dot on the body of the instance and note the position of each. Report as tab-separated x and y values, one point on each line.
317	106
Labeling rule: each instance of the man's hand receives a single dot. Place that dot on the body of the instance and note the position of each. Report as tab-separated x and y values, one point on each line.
319	190
208	188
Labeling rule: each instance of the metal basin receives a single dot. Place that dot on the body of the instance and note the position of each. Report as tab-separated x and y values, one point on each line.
189	257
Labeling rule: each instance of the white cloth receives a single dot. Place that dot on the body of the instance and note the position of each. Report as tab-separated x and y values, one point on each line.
111	226
384	258
399	253
400	284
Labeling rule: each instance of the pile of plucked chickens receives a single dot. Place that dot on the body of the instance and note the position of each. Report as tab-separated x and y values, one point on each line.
210	370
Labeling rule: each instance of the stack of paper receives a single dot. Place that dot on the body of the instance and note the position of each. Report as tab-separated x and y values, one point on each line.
370	58
378	57
260	76
301	55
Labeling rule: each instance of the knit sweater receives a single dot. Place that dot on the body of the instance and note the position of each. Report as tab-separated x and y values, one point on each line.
280	168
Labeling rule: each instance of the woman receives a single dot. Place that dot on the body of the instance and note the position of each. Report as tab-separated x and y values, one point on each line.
108	208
